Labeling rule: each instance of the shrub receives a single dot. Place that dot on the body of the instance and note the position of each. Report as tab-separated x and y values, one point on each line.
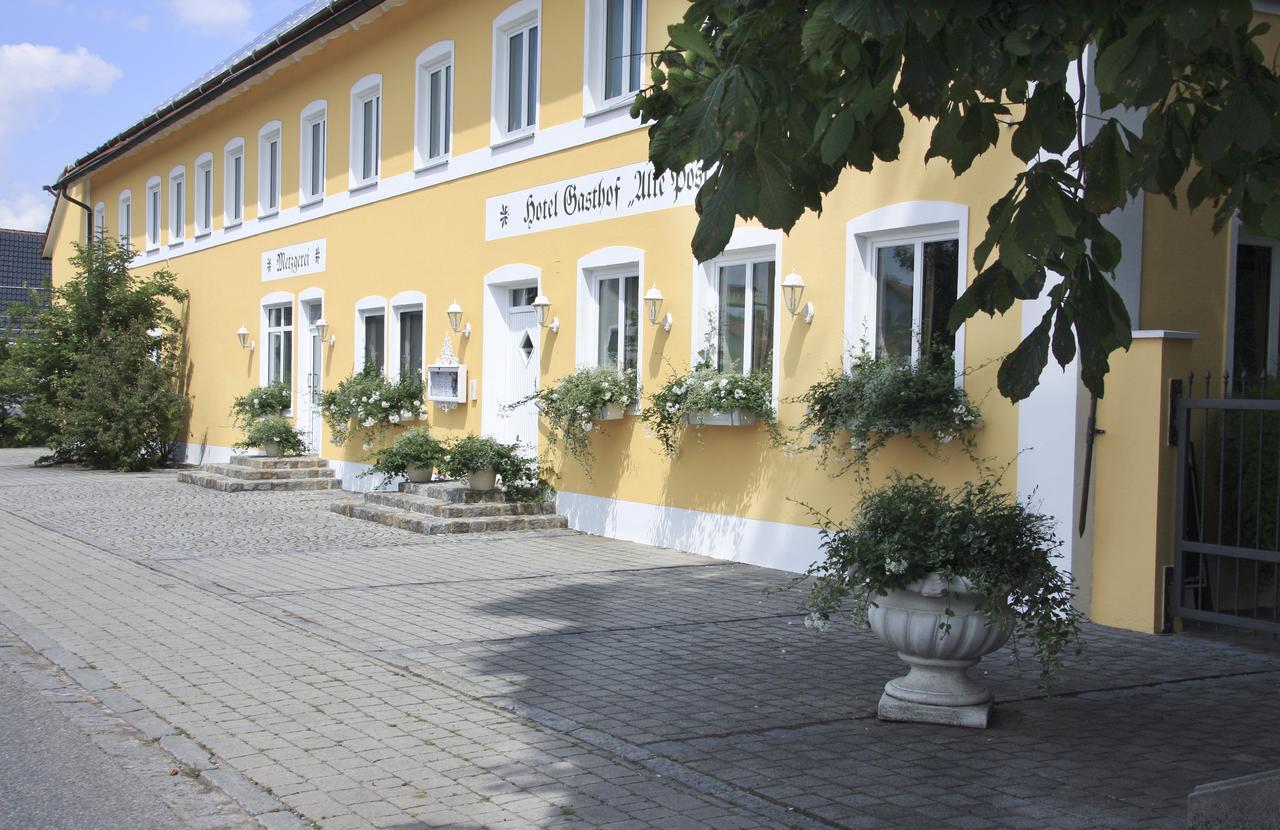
911	527
273	428
368	402
684	398
520	477
572	404
274	399
414	448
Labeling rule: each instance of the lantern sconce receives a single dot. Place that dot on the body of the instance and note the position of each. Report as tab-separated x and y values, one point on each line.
242	334
542	305
792	291
322	329
652	305
454	312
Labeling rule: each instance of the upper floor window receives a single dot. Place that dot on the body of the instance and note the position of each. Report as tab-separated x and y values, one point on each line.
915	285
615	51
204	194
177	205
126	217
280	344
515	47
153	213
233	186
366	130
744	316
311	173
434	123
100	220
617	295
269	170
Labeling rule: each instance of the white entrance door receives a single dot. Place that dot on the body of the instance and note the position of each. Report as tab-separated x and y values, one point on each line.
310	421
520	426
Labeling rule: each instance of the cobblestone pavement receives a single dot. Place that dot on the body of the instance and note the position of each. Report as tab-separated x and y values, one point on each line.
370	677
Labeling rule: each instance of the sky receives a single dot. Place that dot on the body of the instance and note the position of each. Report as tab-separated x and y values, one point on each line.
74	73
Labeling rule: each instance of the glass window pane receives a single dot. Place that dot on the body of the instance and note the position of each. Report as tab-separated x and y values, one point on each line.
531	99
286	352
208	198
366	139
636	45
447	122
374	336
286	315
631	324
317	157
411	344
614	21
435	119
941	273
762	317
238	186
273	172
895	284
1253	295
732	324
377	133
515	83
607	337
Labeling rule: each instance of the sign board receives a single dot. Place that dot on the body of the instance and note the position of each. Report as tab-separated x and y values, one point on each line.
294	260
612	194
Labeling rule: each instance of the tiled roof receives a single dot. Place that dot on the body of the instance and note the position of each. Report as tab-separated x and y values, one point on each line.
21	269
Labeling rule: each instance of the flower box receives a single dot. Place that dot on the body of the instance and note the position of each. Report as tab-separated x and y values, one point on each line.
610	412
731	418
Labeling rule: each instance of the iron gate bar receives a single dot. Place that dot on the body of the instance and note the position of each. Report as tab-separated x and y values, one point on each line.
1234	552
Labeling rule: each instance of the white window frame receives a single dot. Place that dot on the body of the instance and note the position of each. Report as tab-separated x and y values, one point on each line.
369	307
606	263
438	57
902	221
317	112
277	299
595	98
152	209
124	214
368	88
204	195
269	134
177	205
518	17
100	220
232	208
405	301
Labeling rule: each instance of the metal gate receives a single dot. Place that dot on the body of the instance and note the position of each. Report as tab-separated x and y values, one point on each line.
1227	545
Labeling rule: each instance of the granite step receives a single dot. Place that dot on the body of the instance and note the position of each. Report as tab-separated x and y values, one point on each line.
249	472
228	484
292	462
432	525
454	492
457	510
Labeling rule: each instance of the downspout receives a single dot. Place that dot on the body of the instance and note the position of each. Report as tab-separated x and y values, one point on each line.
88	218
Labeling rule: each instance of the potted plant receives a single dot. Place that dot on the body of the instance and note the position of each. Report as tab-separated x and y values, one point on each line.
945	578
414	455
483	462
851	414
573	404
274	399
370	403
709	397
275	435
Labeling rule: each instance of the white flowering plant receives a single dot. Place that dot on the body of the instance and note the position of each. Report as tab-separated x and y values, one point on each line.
259	402
519	475
274	427
689	398
369	403
850	415
573	404
911	527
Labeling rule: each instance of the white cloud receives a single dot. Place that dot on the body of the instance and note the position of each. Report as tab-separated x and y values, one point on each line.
33	78
25	211
214	16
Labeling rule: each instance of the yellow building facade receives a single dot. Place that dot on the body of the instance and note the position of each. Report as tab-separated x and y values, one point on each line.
379	162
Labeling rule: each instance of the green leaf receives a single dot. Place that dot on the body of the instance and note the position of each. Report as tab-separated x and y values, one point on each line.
1020	370
839	132
1064	338
779	205
689	38
716	204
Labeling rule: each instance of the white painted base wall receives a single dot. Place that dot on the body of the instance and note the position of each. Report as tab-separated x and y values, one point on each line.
753	541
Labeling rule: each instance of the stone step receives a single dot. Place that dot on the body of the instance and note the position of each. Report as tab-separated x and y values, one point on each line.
458	510
432	525
295	462
455	492
227	484
250	473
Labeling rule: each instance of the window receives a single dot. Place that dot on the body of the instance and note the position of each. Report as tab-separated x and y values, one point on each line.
1255	329
233	185
434	124
375	337
280	345
524	295
516	70
177	205
100	220
744	317
915	290
615	51
311	174
204	194
153	213
366	130
269	170
617	295
126	217
411	344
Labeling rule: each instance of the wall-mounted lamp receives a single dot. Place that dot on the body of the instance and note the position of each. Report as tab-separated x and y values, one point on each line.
454	312
542	305
792	290
653	304
242	334
322	329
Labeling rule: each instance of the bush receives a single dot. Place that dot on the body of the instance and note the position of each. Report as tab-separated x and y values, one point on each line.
368	402
572	403
259	401
520	477
414	448
273	428
683	399
100	372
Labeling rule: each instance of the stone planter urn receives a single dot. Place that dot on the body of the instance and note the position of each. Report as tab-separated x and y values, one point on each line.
732	418
483	479
938	688
418	475
610	412
271	449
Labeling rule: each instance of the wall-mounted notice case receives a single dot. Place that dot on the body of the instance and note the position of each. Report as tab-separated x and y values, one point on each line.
447	383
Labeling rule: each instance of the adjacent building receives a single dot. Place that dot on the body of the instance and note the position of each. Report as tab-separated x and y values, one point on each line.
25	275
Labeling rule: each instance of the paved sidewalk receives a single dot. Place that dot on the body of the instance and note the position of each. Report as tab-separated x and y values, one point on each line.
370	677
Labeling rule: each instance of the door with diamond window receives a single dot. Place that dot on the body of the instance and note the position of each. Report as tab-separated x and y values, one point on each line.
520	425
